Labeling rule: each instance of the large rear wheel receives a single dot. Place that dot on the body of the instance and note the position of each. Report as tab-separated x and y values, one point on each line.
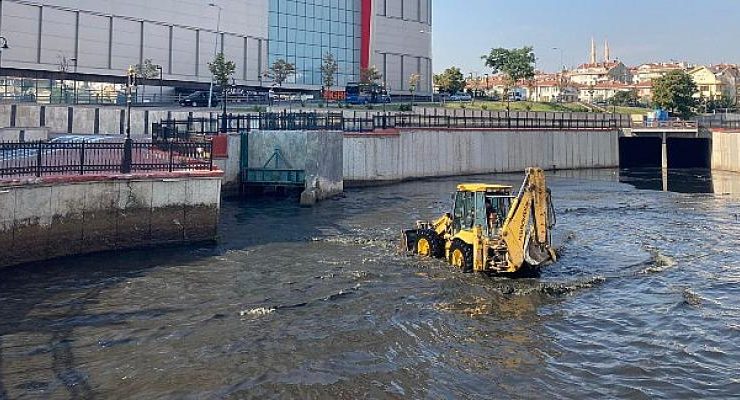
429	244
461	255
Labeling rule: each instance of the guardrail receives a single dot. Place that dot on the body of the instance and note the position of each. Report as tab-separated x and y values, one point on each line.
673	124
191	128
43	159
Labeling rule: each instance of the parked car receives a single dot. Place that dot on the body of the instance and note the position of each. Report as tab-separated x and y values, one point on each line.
199	99
460	97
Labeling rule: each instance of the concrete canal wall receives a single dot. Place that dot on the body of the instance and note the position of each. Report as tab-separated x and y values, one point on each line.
53	217
109	120
420	153
318	153
726	151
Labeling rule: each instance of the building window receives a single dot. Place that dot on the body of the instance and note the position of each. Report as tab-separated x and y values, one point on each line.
302	31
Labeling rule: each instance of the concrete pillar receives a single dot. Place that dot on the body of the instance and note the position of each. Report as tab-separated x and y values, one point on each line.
664	146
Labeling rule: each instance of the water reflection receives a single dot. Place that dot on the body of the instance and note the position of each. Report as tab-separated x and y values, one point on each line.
682	180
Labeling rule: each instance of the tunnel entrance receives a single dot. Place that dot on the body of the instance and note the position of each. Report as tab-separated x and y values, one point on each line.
640	152
647	152
689	153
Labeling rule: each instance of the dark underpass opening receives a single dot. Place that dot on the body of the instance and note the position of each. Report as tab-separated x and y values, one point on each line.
640	152
647	152
689	153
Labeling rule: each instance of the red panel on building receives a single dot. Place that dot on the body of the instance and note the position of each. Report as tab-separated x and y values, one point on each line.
366	19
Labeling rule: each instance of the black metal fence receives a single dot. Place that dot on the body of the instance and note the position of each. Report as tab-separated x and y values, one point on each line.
194	128
43	159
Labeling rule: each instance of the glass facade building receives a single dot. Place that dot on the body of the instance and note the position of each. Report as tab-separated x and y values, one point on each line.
302	32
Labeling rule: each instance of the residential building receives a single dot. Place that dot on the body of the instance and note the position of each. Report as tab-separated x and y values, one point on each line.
710	86
553	88
592	74
594	71
651	71
601	91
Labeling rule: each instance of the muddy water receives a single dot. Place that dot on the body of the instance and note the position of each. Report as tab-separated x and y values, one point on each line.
315	303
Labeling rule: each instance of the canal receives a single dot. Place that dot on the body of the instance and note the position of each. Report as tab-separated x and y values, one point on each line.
315	303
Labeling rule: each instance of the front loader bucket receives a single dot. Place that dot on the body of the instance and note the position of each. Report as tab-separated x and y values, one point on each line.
408	238
536	254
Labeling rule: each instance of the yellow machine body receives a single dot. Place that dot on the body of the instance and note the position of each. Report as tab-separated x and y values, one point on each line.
491	229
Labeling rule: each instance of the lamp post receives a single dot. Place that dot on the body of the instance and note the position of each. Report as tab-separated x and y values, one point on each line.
127	144
74	60
215	49
159	67
3	46
431	68
562	63
224	125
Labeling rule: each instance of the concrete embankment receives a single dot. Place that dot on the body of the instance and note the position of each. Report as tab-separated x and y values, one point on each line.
60	216
424	153
91	120
726	150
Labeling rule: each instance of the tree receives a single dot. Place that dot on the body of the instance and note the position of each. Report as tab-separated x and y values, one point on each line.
329	68
675	91
370	75
221	69
413	84
146	70
281	70
624	98
450	81
514	64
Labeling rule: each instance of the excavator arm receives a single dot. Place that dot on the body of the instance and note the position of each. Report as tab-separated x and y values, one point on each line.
526	230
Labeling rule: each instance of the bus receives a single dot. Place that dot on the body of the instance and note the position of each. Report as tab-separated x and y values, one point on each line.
366	93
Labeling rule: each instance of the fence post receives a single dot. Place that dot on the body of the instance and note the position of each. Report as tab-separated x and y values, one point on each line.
171	156
127	156
82	158
210	155
38	159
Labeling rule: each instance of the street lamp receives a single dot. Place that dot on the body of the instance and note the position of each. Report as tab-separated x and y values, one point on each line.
224	125
74	60
431	67
3	46
215	49
562	63
127	144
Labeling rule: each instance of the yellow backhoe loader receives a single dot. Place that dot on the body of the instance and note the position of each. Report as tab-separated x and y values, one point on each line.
491	229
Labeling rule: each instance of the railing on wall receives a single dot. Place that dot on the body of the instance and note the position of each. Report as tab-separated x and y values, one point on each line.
194	128
36	159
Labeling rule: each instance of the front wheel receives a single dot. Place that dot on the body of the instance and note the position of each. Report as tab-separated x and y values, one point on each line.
461	256
428	244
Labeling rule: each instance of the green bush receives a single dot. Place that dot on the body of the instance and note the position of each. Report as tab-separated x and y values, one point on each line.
463	106
321	105
405	108
484	107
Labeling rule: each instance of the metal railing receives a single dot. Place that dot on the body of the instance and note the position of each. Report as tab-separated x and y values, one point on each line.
671	124
193	128
44	159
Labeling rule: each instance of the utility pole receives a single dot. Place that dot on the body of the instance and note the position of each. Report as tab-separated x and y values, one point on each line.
215	50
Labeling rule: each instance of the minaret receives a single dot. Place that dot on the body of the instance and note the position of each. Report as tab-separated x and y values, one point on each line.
593	51
607	56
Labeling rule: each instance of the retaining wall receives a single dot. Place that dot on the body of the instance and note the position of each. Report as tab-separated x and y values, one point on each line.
319	153
109	120
53	217
417	153
726	151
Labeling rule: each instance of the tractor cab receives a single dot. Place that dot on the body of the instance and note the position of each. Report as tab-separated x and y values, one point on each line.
481	205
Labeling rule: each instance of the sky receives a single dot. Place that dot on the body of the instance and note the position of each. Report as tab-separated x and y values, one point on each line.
639	31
